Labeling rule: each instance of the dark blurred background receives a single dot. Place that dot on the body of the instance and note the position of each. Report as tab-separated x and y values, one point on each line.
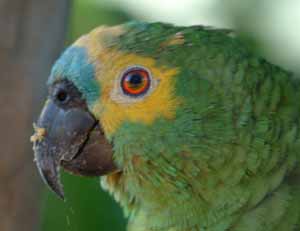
32	35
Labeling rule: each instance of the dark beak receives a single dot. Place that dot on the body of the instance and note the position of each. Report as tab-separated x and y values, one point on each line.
71	138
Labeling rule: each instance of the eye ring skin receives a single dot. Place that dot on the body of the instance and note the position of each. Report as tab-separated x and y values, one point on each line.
117	94
134	91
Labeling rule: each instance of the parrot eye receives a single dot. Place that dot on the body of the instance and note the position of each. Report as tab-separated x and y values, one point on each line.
135	81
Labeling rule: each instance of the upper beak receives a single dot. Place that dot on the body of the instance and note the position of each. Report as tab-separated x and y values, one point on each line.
71	138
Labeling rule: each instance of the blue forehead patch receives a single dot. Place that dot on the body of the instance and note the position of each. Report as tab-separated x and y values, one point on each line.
74	65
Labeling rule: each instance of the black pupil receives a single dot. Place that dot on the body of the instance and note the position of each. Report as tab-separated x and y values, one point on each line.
62	96
135	79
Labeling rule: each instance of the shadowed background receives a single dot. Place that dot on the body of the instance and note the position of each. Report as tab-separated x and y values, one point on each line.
34	33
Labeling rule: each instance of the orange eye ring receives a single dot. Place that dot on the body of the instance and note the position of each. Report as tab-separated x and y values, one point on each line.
135	82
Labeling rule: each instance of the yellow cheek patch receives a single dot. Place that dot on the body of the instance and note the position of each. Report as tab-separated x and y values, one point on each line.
110	64
161	102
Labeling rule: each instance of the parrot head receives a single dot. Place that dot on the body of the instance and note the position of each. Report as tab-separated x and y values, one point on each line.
169	114
96	90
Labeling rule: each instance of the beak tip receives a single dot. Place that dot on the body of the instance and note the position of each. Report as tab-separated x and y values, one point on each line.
51	179
57	189
61	195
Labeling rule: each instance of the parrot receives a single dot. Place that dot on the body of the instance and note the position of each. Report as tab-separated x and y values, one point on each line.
187	128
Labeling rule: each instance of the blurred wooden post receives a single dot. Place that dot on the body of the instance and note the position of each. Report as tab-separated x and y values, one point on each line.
31	37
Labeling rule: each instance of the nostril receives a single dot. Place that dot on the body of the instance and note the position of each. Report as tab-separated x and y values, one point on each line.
62	96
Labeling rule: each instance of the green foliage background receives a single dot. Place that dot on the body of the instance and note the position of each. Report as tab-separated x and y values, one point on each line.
87	206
